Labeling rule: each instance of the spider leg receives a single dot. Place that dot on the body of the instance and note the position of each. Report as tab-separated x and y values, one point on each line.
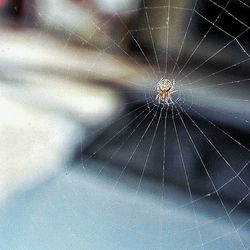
171	101
157	98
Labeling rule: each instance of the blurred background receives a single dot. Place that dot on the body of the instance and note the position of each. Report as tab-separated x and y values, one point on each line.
88	160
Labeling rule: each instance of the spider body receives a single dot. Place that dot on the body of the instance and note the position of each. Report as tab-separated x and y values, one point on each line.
164	90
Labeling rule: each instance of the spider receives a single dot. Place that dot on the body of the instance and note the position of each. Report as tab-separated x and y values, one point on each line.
164	89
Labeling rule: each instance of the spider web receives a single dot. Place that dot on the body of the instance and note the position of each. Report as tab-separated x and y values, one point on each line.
191	132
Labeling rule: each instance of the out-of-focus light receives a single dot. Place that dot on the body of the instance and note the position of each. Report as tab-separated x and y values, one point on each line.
3	3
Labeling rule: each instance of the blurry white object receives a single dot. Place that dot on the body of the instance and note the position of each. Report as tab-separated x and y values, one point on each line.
36	50
33	145
41	99
89	104
92	20
116	5
64	15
